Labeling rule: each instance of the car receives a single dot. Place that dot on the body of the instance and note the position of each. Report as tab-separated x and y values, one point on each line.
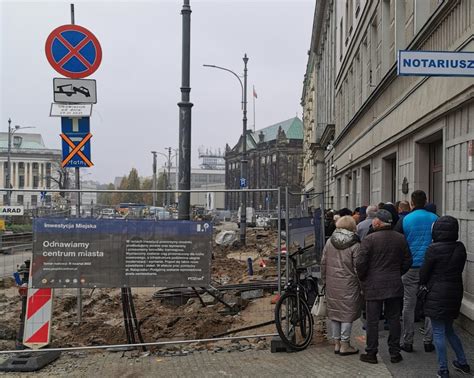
107	212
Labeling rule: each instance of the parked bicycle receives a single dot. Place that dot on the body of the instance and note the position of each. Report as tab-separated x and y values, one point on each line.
293	318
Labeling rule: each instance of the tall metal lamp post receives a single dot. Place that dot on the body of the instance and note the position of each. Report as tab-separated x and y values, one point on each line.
168	175
154	177
9	151
243	163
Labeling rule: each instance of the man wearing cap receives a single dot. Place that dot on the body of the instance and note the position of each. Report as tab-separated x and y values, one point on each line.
384	257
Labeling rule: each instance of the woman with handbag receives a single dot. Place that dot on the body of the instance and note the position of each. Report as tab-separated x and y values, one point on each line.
441	273
343	292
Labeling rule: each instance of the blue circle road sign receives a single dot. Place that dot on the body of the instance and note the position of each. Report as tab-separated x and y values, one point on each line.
73	51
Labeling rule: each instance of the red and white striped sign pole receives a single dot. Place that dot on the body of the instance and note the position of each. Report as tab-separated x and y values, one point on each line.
38	315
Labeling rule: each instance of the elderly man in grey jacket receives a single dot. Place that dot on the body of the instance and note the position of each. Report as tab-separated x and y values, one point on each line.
363	227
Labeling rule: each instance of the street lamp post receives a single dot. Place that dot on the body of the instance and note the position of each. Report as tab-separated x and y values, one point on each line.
9	151
9	193
154	177
168	174
243	163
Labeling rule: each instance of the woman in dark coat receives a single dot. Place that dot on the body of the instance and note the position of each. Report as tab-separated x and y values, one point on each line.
441	272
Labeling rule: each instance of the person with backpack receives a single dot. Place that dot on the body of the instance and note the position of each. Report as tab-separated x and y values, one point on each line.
441	278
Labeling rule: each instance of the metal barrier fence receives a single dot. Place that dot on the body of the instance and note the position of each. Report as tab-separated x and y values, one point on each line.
236	305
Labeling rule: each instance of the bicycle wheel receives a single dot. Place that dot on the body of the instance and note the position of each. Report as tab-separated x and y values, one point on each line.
294	323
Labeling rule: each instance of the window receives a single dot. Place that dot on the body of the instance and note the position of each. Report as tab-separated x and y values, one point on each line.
21	183
373	53
48	199
34	200
19	199
5	199
35	182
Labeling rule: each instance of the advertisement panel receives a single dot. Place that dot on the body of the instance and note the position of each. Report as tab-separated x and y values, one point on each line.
120	253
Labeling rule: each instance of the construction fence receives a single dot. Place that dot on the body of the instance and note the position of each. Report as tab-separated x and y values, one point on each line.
131	273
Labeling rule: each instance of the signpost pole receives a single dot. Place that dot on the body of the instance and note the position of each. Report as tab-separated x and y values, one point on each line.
78	210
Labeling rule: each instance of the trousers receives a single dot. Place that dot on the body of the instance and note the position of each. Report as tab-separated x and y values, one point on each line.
410	287
341	331
392	314
443	329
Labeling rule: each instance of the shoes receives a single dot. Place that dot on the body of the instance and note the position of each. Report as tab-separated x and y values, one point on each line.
429	347
347	349
407	348
443	374
337	346
465	369
369	358
395	358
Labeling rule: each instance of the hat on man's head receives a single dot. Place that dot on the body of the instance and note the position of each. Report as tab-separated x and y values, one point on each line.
384	216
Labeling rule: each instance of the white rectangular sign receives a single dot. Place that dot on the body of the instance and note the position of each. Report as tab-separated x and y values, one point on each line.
12	210
71	110
76	91
435	63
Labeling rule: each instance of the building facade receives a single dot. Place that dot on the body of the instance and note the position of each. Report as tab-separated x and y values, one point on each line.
202	179
395	134
33	166
275	155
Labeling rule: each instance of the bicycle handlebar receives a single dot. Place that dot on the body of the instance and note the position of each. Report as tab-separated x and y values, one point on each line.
300	250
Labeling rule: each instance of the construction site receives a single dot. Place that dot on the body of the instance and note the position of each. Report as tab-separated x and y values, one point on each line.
240	301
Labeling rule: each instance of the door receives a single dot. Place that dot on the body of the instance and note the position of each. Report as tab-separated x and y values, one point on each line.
436	175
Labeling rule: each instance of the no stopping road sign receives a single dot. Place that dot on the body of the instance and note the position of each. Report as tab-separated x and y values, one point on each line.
73	51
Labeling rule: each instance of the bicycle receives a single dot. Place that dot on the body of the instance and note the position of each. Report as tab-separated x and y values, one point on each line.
293	318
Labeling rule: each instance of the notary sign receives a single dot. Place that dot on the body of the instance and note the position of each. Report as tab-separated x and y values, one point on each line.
112	253
435	63
12	210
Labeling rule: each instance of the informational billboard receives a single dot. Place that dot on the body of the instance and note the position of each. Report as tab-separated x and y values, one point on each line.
112	253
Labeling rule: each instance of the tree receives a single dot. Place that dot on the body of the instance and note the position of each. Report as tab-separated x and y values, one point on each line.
62	179
120	197
147	184
106	199
133	183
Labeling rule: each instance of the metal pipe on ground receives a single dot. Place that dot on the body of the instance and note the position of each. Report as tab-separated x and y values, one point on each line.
158	343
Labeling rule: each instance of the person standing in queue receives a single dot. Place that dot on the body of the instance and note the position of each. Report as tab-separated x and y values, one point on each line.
343	292
384	257
417	230
441	273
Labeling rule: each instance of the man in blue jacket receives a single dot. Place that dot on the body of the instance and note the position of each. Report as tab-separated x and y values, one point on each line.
417	229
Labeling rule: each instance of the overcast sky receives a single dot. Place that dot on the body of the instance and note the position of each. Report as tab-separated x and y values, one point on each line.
139	79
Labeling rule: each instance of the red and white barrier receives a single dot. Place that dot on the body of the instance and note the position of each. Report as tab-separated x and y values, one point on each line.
38	315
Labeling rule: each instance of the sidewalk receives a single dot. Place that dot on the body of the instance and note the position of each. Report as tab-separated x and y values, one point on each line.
317	361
